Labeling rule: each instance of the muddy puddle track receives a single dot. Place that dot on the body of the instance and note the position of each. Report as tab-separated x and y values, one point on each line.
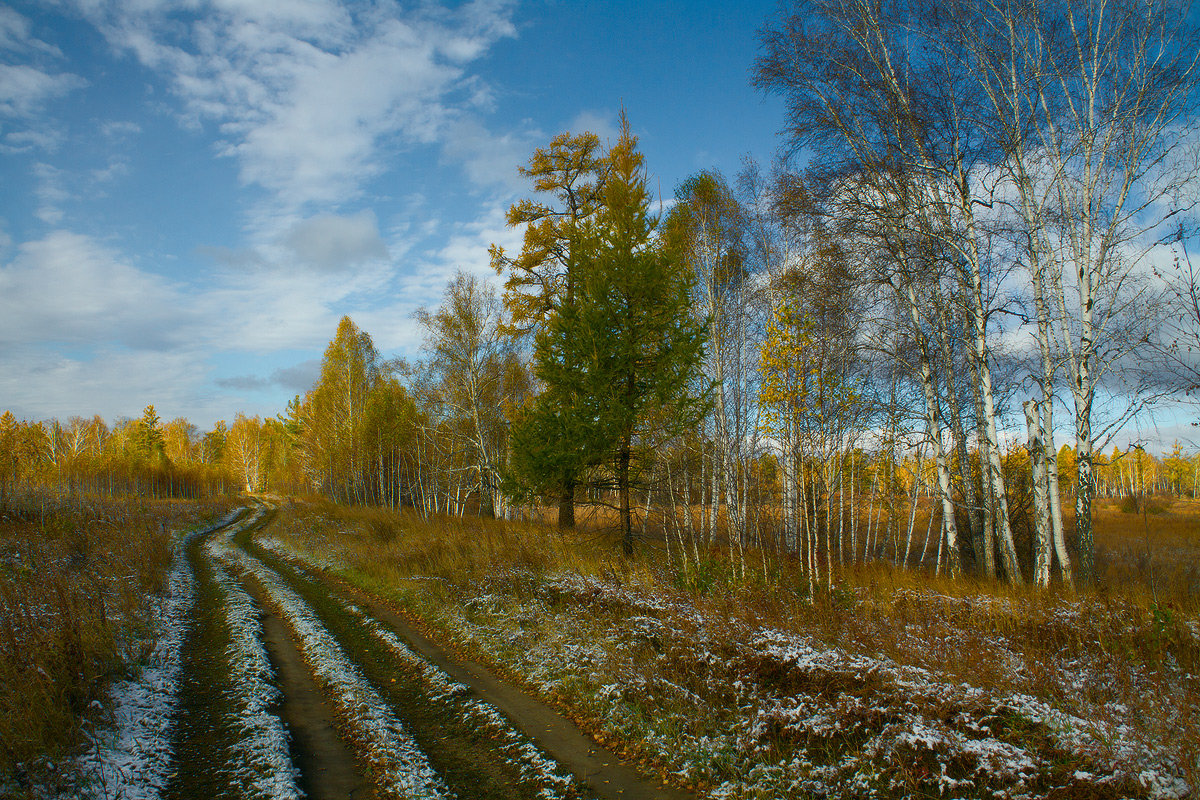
386	695
327	766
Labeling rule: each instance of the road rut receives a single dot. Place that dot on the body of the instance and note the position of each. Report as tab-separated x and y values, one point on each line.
293	683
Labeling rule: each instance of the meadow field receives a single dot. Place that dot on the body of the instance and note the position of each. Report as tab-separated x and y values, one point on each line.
741	685
723	679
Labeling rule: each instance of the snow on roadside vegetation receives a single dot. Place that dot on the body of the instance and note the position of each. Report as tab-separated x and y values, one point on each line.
748	710
130	759
754	712
266	768
401	769
536	769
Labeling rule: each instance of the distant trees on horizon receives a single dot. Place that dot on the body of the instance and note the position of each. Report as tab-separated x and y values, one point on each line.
791	359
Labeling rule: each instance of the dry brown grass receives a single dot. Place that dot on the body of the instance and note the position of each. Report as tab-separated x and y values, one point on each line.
875	606
1122	655
1153	558
75	577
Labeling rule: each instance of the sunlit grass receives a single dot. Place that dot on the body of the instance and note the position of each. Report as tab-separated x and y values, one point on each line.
1118	654
75	578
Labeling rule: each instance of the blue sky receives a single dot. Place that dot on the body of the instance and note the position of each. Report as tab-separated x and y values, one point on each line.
196	190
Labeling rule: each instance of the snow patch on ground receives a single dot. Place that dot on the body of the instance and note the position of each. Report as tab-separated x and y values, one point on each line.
400	768
265	768
802	717
551	780
130	760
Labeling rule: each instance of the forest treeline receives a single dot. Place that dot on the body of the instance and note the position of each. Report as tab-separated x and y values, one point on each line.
985	222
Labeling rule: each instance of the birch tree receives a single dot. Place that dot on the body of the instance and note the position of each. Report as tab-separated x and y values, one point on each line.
1094	106
468	354
706	230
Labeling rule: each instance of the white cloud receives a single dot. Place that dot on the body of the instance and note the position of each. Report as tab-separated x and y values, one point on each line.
16	35
118	165
298	378
466	249
601	123
82	330
487	159
333	243
50	193
71	289
266	307
14	29
37	384
310	96
25	89
116	129
46	136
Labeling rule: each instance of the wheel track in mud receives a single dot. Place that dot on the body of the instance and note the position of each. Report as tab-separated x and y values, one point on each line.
470	761
597	771
444	705
204	738
227	739
328	769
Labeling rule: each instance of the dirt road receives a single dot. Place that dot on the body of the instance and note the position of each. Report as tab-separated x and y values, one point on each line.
288	685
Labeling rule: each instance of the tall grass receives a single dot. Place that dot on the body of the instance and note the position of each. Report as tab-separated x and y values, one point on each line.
1121	653
1148	569
1150	551
75	579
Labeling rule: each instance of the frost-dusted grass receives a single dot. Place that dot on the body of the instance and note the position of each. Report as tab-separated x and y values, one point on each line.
897	683
75	577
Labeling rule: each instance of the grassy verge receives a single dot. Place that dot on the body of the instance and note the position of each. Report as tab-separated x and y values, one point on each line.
74	579
896	684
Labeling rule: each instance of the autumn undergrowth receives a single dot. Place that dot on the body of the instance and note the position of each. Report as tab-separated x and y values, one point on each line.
894	683
75	576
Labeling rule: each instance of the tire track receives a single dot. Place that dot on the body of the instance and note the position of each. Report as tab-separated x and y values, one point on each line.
227	741
474	749
327	766
601	770
132	757
324	765
263	752
398	766
537	734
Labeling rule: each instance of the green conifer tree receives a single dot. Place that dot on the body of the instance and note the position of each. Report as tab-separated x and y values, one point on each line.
624	353
150	439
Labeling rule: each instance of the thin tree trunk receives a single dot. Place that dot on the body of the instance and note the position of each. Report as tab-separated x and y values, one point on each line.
958	431
623	455
935	430
1041	500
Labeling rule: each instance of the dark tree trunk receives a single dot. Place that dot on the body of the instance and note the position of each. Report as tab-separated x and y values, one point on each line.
566	505
623	488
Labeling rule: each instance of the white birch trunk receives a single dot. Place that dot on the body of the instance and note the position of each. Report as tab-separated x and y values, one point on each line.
1041	500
